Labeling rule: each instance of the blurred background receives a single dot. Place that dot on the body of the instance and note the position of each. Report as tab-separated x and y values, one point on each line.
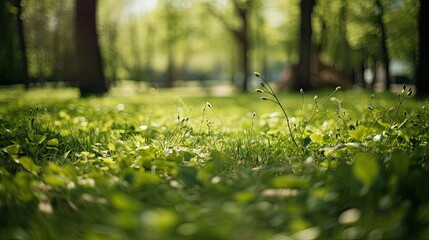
307	44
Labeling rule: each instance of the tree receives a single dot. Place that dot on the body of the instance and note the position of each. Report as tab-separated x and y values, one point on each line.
422	73
177	19
303	74
110	16
22	44
134	65
90	70
171	17
384	51
13	61
241	34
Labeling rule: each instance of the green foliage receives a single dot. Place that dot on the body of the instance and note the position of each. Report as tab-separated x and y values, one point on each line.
365	168
138	39
160	167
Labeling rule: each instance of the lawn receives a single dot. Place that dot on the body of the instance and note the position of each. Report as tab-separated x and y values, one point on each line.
171	164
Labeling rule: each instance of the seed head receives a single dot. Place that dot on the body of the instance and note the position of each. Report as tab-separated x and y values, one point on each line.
337	88
208	105
301	91
257	74
264	98
259	90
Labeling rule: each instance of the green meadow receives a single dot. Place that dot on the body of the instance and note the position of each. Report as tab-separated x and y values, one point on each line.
173	164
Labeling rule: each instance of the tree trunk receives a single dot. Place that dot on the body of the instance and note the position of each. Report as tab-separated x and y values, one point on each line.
245	59
171	68
384	51
90	70
361	70
22	45
242	37
241	34
302	79
422	73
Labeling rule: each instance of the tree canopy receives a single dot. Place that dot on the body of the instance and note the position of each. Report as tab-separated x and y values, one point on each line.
164	42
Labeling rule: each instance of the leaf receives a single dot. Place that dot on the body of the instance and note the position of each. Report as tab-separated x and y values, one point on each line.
41	139
53	142
329	164
358	133
142	177
28	164
384	124
290	181
317	138
111	146
12	149
365	168
400	162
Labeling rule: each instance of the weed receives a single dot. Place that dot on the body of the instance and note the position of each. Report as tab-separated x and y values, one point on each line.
267	89
93	168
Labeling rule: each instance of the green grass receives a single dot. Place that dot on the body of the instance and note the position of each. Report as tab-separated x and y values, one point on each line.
171	165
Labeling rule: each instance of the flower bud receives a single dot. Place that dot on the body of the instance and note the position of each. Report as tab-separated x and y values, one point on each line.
259	90
256	74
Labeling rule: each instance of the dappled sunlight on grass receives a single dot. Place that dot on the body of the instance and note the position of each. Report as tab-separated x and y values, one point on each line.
172	164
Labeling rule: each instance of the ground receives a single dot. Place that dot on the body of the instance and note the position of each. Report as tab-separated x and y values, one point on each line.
173	164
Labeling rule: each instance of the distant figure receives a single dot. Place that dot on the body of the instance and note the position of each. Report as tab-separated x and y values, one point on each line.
322	76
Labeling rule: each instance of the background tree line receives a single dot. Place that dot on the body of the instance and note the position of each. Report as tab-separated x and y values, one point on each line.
165	41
